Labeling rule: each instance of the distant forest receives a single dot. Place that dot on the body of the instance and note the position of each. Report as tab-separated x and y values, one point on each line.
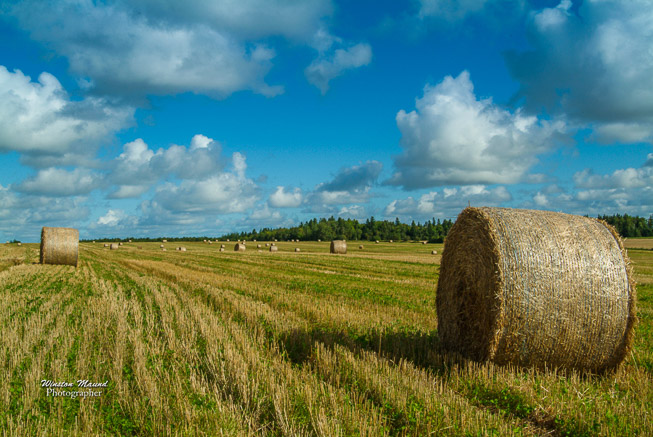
433	230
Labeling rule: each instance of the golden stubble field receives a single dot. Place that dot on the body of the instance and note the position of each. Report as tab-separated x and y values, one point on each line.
256	343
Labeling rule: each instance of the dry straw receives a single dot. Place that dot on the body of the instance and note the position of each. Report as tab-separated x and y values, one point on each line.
20	244
434	252
297	249
161	246
536	288
239	247
59	246
106	244
274	248
339	246
258	246
360	247
114	246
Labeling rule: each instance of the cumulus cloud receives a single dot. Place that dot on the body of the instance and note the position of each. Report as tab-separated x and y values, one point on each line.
60	182
621	178
595	66
454	138
350	185
286	199
39	118
227	192
138	167
330	65
448	202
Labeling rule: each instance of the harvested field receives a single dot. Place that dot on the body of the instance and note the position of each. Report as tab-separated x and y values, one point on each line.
257	343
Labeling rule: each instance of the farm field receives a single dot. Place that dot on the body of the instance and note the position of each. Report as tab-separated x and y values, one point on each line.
209	343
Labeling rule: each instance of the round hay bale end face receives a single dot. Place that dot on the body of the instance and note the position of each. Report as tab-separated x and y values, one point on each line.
536	288
274	249
339	246
239	247
114	246
59	246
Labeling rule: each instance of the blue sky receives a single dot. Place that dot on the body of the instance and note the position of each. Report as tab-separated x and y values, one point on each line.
158	117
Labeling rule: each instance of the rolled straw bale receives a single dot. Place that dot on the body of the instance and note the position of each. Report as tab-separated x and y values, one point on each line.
182	249
377	241
59	246
434	252
93	241
424	242
239	247
106	244
267	244
258	246
163	250
536	288
318	240
222	246
227	240
114	246
274	249
339	246
164	241
161	246
20	244
390	241
222	249
360	247
130	241
120	244
297	249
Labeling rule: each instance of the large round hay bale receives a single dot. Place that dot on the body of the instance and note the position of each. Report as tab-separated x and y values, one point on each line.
536	288
59	246
239	247
297	249
114	246
339	246
274	249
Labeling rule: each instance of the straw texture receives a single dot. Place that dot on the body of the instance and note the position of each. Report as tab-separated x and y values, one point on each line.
339	246
536	288
274	248
59	246
114	246
240	247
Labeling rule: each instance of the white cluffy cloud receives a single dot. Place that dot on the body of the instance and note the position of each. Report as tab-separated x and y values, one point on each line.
138	167
329	66
39	119
454	138
447	203
595	66
60	182
286	199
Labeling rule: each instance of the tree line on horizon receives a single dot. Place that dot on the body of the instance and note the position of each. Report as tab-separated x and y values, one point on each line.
433	231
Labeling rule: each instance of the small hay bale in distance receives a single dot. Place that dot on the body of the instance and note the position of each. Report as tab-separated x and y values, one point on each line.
129	241
434	252
20	244
360	247
222	249
163	250
106	244
424	242
297	249
164	241
390	241
222	246
339	246
182	249
319	241
267	244
239	247
114	246
377	241
258	246
161	246
120	244
59	246
274	248
536	288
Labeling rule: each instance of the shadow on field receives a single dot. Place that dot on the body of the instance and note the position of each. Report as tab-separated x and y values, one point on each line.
422	349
